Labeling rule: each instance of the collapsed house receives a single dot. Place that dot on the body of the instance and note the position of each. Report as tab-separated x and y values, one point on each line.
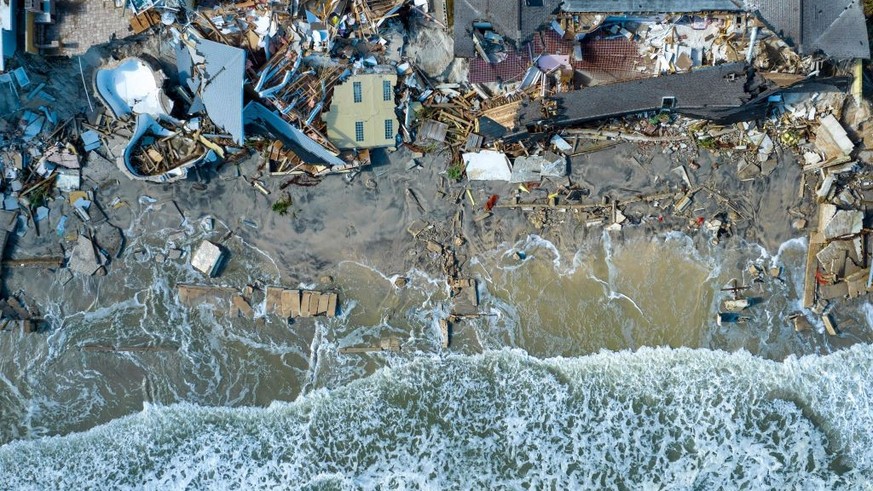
292	152
478	21
161	148
724	94
607	41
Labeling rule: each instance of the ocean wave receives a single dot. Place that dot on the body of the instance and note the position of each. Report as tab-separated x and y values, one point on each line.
654	418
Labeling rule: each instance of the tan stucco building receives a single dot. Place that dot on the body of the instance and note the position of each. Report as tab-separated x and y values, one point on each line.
361	114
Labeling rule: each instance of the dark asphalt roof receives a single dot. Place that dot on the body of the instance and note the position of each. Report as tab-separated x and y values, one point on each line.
504	16
652	5
512	19
725	94
709	93
834	27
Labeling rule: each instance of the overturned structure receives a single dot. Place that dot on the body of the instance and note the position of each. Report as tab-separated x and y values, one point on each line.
161	148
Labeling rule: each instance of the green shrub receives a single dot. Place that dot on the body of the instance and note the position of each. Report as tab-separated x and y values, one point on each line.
283	206
455	172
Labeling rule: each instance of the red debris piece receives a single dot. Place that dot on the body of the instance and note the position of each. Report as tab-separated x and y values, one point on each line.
491	202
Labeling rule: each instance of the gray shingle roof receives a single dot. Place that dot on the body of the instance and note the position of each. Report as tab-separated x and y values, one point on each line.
504	15
532	18
222	85
784	18
652	5
840	30
710	93
512	19
834	27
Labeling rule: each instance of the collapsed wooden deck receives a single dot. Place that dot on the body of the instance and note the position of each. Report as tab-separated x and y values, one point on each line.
284	303
300	303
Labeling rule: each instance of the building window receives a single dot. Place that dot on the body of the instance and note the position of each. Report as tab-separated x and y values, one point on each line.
668	103
356	88
359	131
386	90
389	129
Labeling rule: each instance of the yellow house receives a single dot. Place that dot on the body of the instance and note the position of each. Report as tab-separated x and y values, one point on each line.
361	114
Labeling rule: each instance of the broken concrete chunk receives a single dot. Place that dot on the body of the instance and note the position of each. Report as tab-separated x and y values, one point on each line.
748	170
765	148
207	258
140	255
90	140
683	203
64	276
332	301
532	168
313	303
193	295
322	303
8	221
487	165
833	258
62	156
835	223
527	169
68	180
555	165
84	259
831	138
768	166
837	290
811	158
10	203
561	144
801	323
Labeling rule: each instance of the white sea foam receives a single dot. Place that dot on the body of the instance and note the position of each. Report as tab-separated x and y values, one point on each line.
690	419
531	246
867	311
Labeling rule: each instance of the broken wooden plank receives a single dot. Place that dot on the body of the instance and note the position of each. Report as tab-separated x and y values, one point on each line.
291	303
323	300
304	304
241	306
313	303
816	244
273	302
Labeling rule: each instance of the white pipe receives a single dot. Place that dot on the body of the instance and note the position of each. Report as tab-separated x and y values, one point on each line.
754	39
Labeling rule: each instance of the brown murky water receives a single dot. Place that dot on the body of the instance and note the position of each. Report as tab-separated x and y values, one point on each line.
607	296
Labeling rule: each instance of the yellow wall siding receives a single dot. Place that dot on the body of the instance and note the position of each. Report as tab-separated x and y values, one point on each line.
372	111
